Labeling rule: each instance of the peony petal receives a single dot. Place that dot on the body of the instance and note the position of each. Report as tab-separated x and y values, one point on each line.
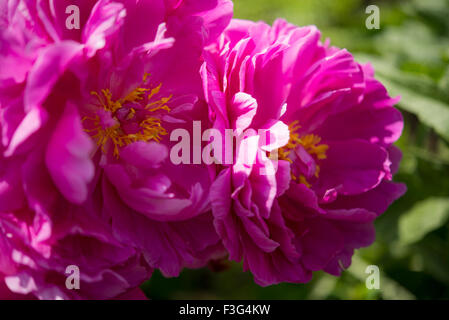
49	66
353	167
68	156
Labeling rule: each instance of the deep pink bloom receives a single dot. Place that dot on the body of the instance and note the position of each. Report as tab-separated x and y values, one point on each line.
332	125
85	116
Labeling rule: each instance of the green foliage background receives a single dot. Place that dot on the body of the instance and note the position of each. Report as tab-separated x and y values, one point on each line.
410	53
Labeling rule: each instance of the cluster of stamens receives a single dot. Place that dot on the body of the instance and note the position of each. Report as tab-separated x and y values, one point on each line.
138	108
310	143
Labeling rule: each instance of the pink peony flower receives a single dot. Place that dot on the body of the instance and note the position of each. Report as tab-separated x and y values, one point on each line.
85	117
332	125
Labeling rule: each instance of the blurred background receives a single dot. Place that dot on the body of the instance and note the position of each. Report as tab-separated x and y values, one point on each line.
410	53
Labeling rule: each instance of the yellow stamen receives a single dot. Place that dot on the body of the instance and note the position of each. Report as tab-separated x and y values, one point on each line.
310	143
150	128
136	95
155	91
303	180
131	114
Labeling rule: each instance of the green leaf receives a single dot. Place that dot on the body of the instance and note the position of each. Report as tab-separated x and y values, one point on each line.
435	257
391	290
419	95
431	112
424	217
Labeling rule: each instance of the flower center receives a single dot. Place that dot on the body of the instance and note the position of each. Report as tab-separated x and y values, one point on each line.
133	118
308	150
